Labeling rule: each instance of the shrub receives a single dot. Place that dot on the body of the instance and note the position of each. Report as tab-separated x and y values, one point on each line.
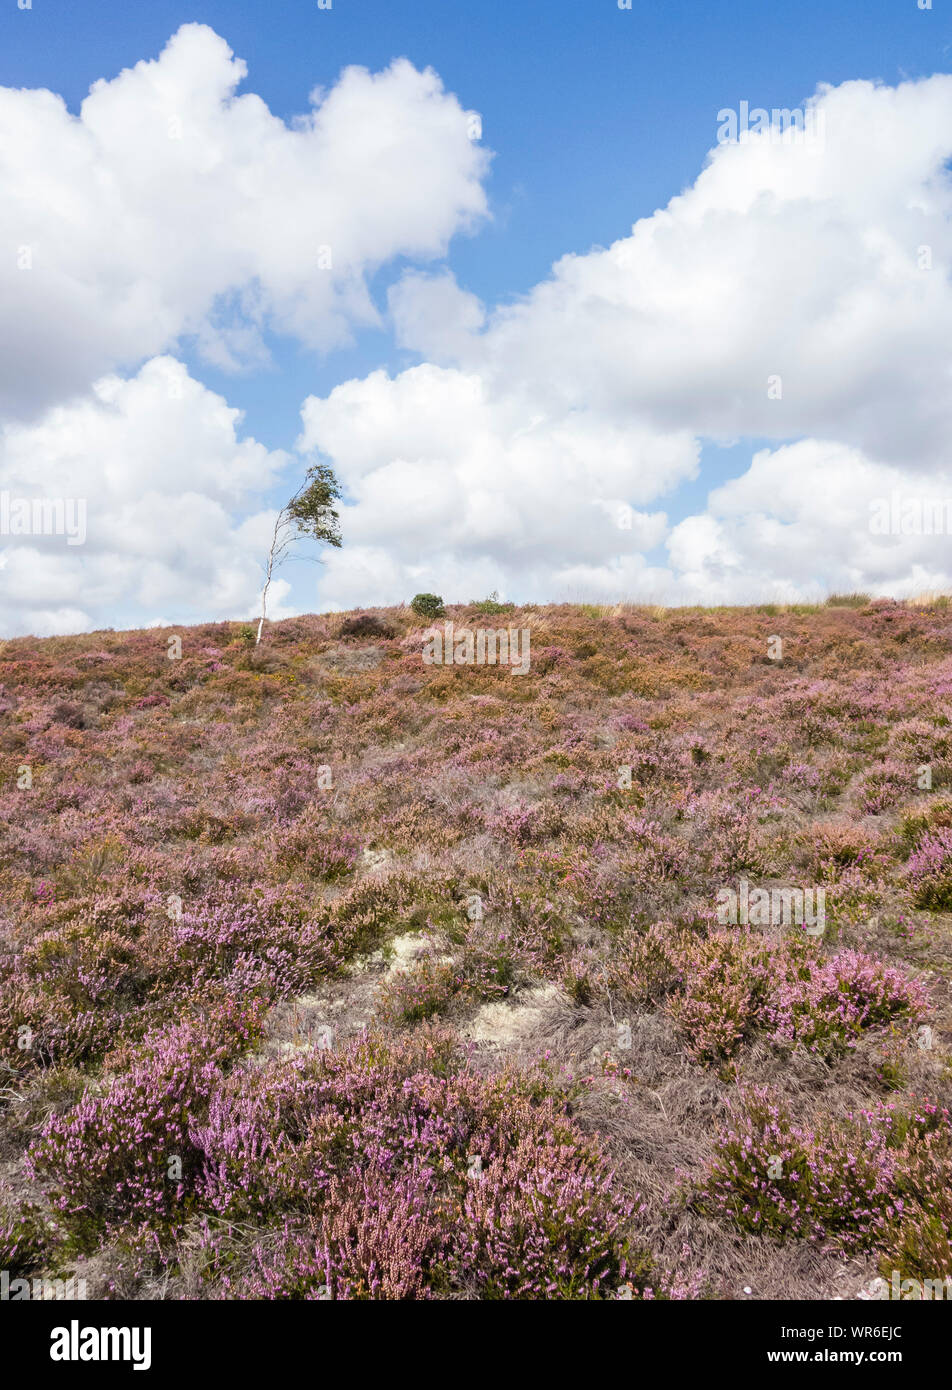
427	606
126	1158
366	625
491	607
930	870
914	824
825	1007
400	1172
831	1185
23	1239
727	985
855	600
920	1246
875	1180
645	965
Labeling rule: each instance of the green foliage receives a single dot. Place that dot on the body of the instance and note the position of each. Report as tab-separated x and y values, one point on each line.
311	511
848	600
491	606
428	606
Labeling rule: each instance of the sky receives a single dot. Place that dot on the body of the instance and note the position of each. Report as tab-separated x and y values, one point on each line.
500	267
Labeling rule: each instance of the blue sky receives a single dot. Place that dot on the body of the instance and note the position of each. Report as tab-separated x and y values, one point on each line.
596	117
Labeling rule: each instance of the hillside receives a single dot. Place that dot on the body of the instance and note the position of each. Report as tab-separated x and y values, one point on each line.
330	972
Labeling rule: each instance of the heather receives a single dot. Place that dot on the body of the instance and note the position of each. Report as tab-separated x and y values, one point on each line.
877	1180
325	972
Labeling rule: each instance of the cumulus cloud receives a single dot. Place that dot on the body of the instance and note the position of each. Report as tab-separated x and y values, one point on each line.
172	206
445	478
815	517
798	291
171	501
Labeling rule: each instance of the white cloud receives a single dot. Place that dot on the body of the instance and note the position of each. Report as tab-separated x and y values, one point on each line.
806	519
437	467
159	466
511	449
173	206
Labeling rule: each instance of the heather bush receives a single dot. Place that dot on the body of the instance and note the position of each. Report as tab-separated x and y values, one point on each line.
832	847
427	606
873	1180
930	870
23	1239
312	846
540	1221
886	786
645	966
824	1008
917	822
920	1245
730	985
829	1185
726	987
124	1158
458	1182
727	830
366	625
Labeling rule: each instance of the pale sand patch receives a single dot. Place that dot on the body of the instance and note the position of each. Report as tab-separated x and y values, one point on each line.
503	1024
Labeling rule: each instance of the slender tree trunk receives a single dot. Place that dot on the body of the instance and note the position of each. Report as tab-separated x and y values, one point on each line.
264	601
264	606
267	583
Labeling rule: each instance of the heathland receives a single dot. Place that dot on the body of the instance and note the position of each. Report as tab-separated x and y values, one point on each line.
328	971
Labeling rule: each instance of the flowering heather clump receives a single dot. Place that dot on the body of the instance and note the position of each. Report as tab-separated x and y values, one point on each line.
827	1007
930	870
311	846
727	984
540	1221
377	1238
723	988
22	1239
727	829
833	848
876	1180
482	967
921	1245
646	965
125	1158
833	1184
275	927
392	1175
886	786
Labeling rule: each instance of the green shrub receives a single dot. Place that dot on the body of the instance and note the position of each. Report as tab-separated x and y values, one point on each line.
848	600
491	606
428	606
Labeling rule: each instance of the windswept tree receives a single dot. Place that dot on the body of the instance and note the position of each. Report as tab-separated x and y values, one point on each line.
310	515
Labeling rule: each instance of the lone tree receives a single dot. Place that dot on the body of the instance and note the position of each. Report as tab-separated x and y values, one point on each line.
310	515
